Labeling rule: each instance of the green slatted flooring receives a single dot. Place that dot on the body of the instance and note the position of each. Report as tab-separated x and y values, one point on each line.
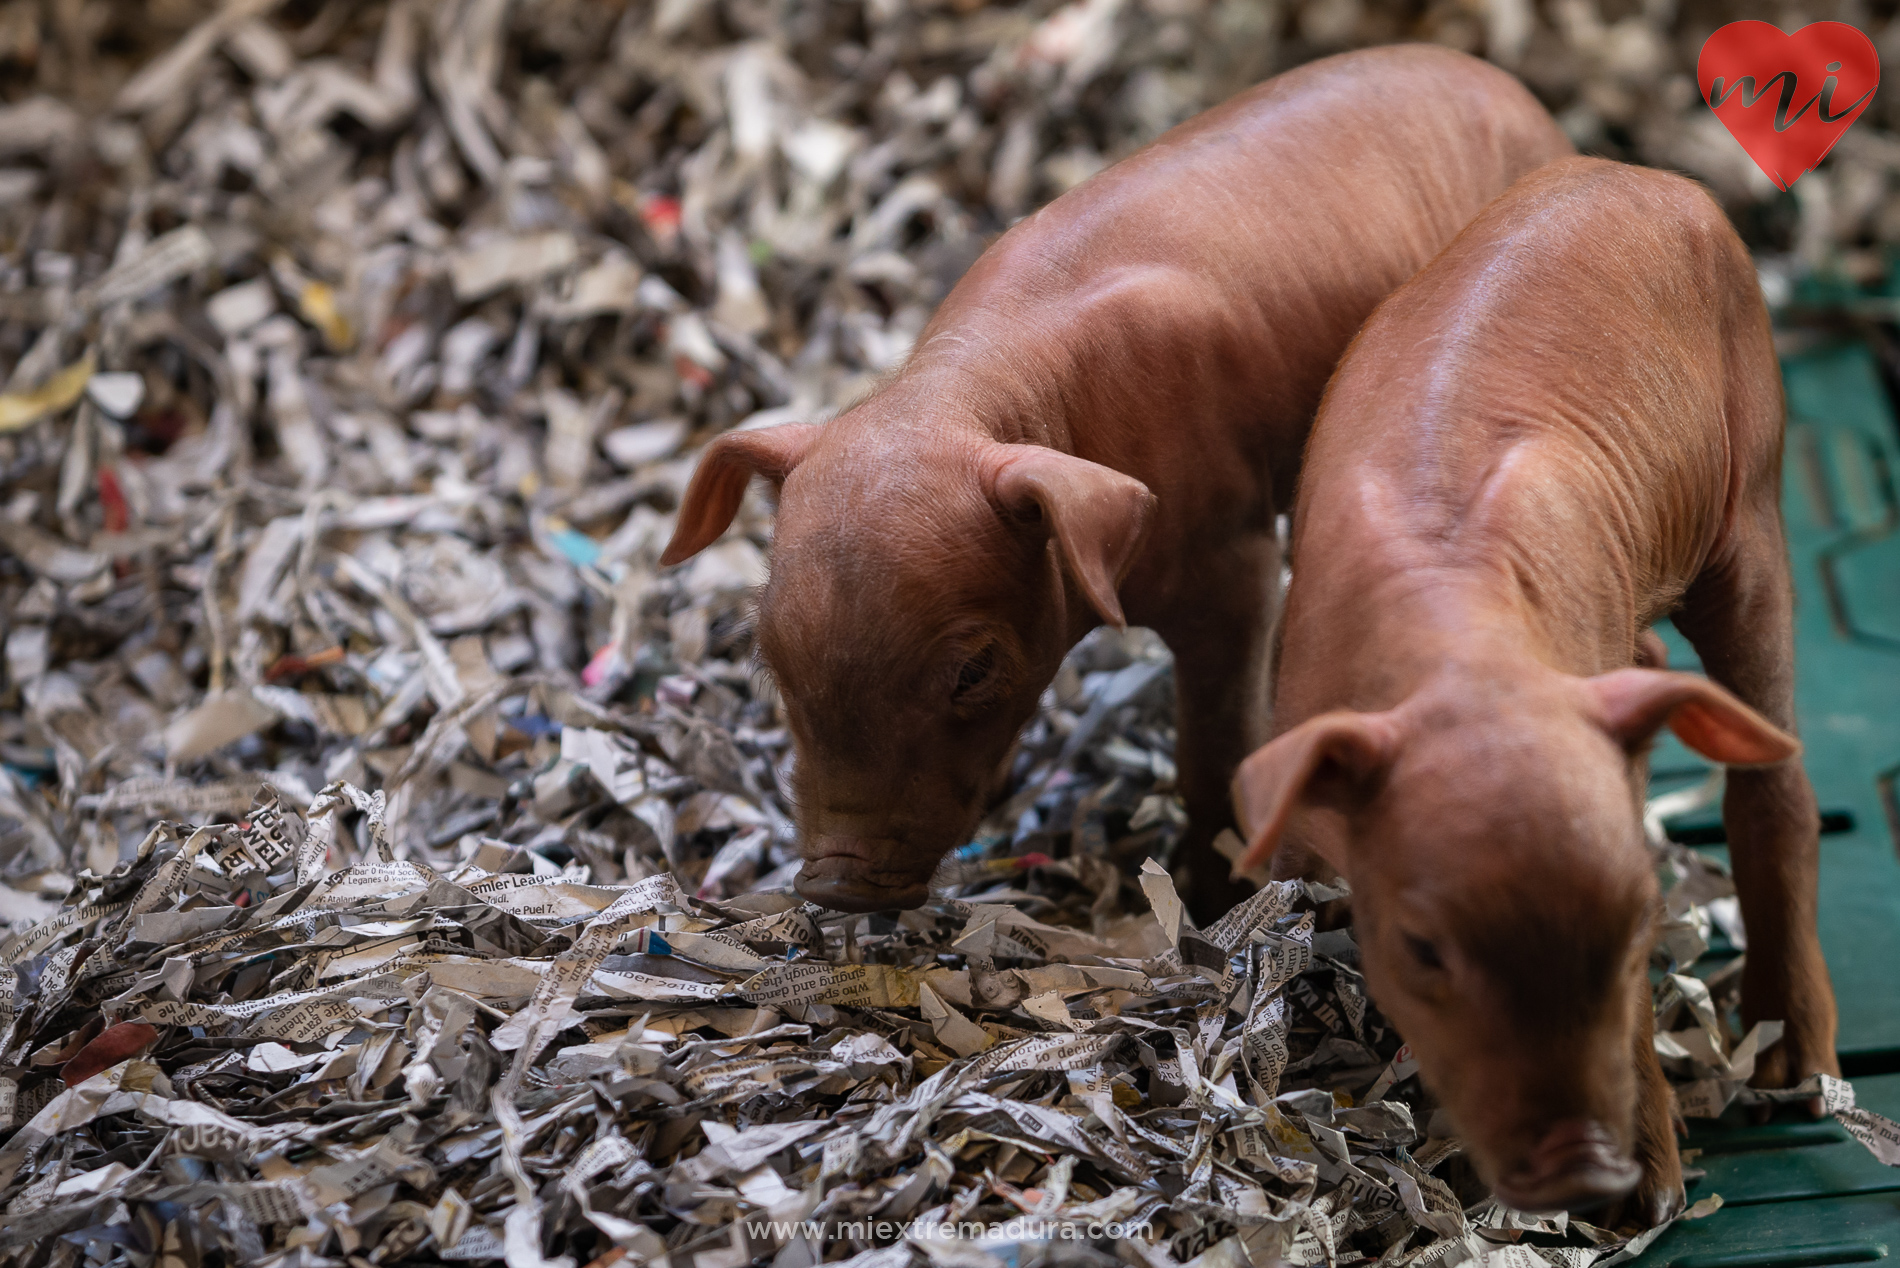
1781	1161
1802	1194
1805	1234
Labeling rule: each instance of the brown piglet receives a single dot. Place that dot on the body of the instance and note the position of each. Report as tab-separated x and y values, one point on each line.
1098	425
1566	427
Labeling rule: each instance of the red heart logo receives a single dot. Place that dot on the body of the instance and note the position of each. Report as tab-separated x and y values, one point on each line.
1787	98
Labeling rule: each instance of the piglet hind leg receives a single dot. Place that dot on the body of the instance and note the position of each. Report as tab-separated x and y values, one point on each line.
1739	615
1221	656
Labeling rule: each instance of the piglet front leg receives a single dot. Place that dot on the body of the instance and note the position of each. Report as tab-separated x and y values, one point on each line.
1659	1194
1774	843
1740	616
1222	652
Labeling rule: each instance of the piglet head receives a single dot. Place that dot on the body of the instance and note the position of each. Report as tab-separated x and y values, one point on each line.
1503	897
922	595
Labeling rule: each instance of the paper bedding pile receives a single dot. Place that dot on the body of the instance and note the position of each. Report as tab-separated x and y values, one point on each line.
395	866
224	1046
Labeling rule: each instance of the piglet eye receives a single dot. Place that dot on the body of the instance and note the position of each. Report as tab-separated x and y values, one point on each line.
1424	952
975	672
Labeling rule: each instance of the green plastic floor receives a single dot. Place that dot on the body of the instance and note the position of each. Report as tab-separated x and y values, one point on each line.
1802	1194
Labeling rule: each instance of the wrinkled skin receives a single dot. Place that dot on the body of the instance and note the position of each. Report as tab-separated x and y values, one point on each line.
1568	426
1099	425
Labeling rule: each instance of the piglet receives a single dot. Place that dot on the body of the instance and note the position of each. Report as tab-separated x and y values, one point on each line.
1098	425
1566	427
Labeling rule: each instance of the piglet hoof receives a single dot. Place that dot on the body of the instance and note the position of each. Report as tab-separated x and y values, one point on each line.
1656	1200
1785	1065
1658	1195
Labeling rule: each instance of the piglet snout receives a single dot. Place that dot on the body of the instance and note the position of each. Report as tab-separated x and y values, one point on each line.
1575	1167
860	874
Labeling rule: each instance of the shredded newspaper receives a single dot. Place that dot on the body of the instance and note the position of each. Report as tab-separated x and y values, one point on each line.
279	1039
394	864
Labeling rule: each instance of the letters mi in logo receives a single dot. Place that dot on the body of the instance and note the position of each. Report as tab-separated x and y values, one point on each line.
1788	98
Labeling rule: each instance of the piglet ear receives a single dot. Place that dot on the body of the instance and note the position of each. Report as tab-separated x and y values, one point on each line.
1634	704
718	484
1097	514
1277	778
